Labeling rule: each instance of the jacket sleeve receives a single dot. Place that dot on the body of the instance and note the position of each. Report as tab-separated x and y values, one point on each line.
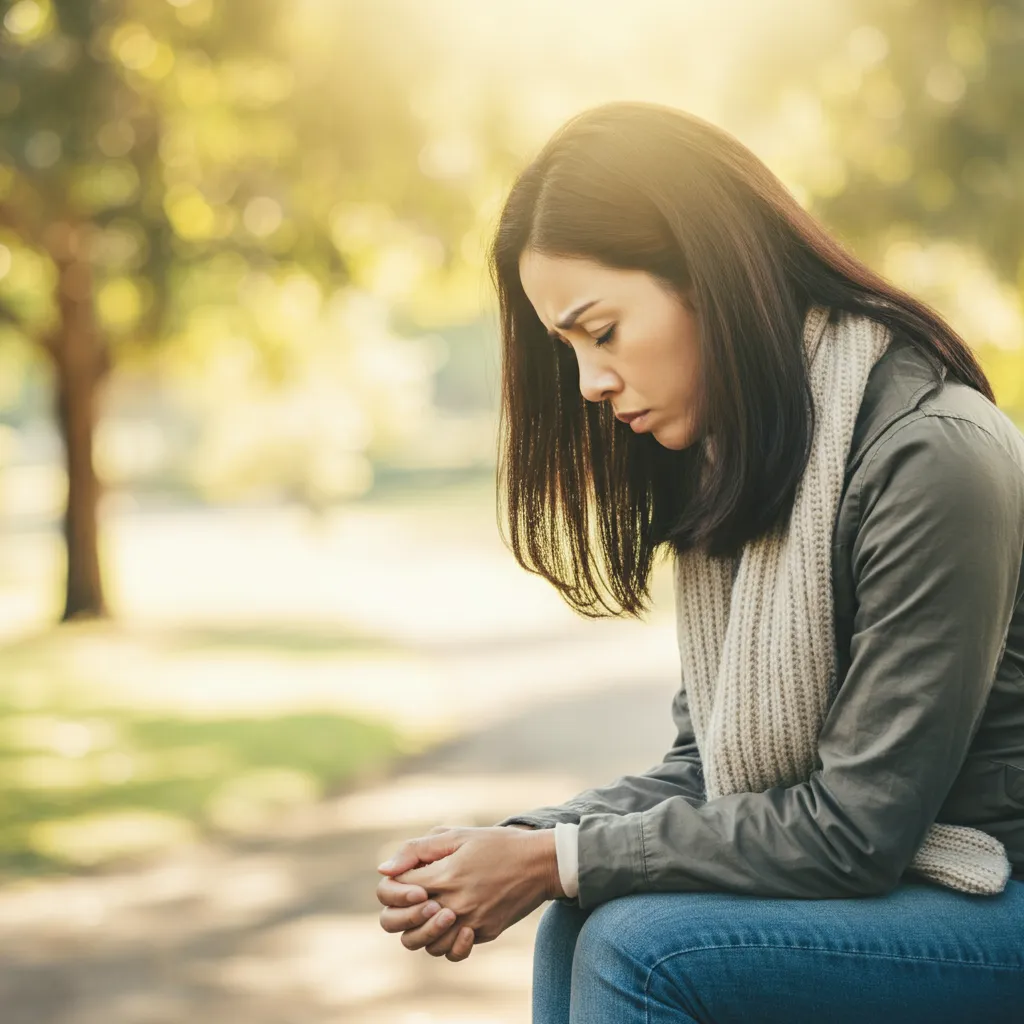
935	559
678	774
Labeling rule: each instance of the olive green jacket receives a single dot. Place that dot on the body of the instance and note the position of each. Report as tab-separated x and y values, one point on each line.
928	720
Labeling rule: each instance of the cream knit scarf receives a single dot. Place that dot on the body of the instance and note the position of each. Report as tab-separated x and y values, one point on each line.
757	655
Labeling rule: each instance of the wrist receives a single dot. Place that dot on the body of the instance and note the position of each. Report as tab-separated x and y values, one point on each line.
545	863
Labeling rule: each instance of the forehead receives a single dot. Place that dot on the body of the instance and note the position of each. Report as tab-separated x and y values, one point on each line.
556	284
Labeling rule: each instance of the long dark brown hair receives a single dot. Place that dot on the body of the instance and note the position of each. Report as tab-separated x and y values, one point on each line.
642	186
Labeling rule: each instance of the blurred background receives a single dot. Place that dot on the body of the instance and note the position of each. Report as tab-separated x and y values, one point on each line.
257	624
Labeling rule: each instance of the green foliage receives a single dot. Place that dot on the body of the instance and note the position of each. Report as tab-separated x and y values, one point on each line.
926	101
195	776
241	169
185	130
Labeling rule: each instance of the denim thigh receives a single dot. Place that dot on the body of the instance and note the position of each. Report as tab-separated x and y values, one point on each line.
922	953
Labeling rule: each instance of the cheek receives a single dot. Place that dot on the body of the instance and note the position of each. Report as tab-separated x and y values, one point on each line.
678	356
681	389
689	376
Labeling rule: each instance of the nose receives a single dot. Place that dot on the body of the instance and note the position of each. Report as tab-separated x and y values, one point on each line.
597	382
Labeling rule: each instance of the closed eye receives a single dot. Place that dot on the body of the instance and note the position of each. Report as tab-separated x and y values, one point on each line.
601	339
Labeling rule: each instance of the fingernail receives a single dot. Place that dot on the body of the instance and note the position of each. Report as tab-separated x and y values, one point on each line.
431	908
445	917
386	866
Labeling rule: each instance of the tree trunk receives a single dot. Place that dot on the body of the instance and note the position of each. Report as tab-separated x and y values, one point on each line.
80	359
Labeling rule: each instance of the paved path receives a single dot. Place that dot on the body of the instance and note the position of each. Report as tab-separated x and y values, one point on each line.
283	929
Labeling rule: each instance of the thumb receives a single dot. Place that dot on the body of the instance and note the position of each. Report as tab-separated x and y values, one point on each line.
424	850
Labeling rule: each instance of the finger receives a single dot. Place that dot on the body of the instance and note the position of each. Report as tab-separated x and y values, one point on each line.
443	945
399	894
401	919
417	938
424	850
420	876
463	945
431	877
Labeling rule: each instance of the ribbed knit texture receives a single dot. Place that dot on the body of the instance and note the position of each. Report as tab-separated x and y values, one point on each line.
758	651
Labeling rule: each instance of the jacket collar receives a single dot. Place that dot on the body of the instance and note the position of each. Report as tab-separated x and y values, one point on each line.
901	379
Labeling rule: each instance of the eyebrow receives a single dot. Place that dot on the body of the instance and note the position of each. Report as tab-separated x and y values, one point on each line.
570	318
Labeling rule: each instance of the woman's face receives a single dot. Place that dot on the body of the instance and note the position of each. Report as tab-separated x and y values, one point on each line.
636	342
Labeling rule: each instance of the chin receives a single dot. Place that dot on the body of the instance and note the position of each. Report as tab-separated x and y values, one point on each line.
676	440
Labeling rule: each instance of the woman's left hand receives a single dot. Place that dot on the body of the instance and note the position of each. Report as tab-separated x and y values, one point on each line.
489	877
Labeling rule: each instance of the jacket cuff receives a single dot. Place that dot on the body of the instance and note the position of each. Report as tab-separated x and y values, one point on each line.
545	817
526	819
567	856
612	860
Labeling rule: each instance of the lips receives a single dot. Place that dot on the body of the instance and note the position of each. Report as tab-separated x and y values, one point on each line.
628	417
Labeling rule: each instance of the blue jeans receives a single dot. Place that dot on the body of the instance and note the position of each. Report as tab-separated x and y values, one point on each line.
923	954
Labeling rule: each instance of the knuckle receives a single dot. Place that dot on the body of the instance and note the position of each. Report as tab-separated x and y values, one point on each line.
391	921
395	895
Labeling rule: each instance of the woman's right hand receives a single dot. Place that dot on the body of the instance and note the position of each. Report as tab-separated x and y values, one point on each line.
407	908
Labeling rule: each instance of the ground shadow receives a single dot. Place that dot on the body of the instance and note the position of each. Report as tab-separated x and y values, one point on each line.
594	736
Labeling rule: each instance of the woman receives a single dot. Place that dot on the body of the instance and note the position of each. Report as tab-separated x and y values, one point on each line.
692	364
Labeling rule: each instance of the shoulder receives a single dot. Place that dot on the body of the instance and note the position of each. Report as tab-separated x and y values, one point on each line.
913	410
955	458
935	474
952	428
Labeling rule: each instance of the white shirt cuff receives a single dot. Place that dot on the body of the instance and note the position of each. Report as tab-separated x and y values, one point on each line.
567	855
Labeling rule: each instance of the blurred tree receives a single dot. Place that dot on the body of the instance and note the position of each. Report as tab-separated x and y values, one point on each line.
163	157
905	130
91	186
900	127
925	97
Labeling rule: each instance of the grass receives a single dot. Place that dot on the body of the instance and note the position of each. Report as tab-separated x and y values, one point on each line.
260	660
89	782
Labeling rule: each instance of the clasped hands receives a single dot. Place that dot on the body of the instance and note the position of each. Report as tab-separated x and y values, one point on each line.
457	886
